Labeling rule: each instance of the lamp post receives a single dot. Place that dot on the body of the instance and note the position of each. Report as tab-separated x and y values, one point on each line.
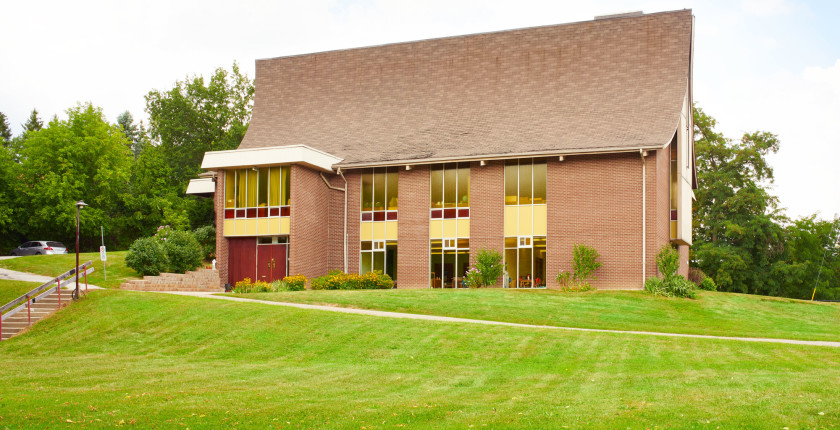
79	206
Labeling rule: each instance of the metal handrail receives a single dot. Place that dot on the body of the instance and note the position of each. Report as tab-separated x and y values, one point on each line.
26	297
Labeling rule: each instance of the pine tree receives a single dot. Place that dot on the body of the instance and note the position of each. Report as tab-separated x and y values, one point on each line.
33	123
5	130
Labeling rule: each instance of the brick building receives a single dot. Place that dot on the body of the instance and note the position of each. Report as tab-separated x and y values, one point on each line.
409	158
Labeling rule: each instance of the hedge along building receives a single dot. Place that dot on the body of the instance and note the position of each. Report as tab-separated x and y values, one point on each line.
410	158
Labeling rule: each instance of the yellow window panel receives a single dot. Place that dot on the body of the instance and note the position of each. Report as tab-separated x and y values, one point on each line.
449	228
673	229
463	228
391	230
379	231
511	221
251	227
274	225
525	221
228	231
285	225
367	231
262	227
540	220
239	227
436	229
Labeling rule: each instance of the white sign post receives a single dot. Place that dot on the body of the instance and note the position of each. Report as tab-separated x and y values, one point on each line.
102	255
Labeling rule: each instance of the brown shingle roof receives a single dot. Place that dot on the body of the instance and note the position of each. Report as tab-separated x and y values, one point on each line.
607	84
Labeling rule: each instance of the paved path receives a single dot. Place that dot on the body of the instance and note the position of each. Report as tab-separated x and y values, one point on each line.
500	323
12	275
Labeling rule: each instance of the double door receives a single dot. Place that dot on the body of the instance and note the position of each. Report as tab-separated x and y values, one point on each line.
271	262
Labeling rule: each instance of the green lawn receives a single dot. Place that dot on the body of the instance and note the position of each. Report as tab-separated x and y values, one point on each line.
153	360
10	290
713	313
54	265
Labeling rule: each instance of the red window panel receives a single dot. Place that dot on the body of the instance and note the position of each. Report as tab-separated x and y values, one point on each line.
379	216
230	213
262	212
673	215
252	212
240	213
437	213
391	216
450	213
274	212
464	213
367	216
285	210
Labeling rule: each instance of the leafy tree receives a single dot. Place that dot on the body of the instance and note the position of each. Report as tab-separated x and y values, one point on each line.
808	241
738	237
5	130
82	158
193	118
33	123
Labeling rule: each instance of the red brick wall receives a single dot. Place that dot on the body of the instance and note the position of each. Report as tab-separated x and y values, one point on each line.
309	239
663	207
221	241
413	263
336	224
487	208
596	200
683	249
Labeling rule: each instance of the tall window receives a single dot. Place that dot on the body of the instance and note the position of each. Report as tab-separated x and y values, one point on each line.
450	187
450	260
674	185
257	192
525	253
379	204
380	194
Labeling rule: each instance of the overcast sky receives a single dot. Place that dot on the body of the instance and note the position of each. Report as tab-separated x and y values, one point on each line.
770	65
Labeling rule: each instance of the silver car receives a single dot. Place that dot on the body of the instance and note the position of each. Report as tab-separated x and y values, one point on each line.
39	247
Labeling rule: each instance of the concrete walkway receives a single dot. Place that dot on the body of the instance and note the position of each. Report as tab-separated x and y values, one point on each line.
500	323
11	275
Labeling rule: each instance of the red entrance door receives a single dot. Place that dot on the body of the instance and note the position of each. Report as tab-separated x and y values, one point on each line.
271	262
242	259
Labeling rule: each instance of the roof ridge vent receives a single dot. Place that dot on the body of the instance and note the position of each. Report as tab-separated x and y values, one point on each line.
620	15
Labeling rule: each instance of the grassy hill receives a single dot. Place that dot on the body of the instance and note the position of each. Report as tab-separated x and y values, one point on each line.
10	290
153	360
713	313
54	265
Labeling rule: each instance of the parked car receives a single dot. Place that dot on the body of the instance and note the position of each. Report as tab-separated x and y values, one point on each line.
39	247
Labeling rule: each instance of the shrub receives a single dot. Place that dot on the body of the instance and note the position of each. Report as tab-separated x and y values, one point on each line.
320	283
295	283
583	269
338	280
246	286
696	275
183	251
147	256
584	263
488	264
206	237
708	284
473	278
671	284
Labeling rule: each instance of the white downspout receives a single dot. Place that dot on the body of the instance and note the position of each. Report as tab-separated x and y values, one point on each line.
642	153
344	190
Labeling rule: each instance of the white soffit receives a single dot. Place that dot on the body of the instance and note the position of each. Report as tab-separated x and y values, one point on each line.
201	186
292	154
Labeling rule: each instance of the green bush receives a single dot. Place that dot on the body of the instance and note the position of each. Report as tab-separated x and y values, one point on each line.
183	251
147	256
708	284
583	269
206	237
295	283
671	284
338	280
488	264
246	286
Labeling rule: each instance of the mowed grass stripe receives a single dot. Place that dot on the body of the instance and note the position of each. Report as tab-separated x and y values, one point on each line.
10	290
716	314
171	361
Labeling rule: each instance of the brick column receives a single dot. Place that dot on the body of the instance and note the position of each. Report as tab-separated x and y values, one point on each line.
413	264
221	241
487	209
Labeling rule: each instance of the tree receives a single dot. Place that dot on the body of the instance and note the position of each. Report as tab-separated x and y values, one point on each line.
812	259
135	133
5	130
738	237
82	158
33	123
193	118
